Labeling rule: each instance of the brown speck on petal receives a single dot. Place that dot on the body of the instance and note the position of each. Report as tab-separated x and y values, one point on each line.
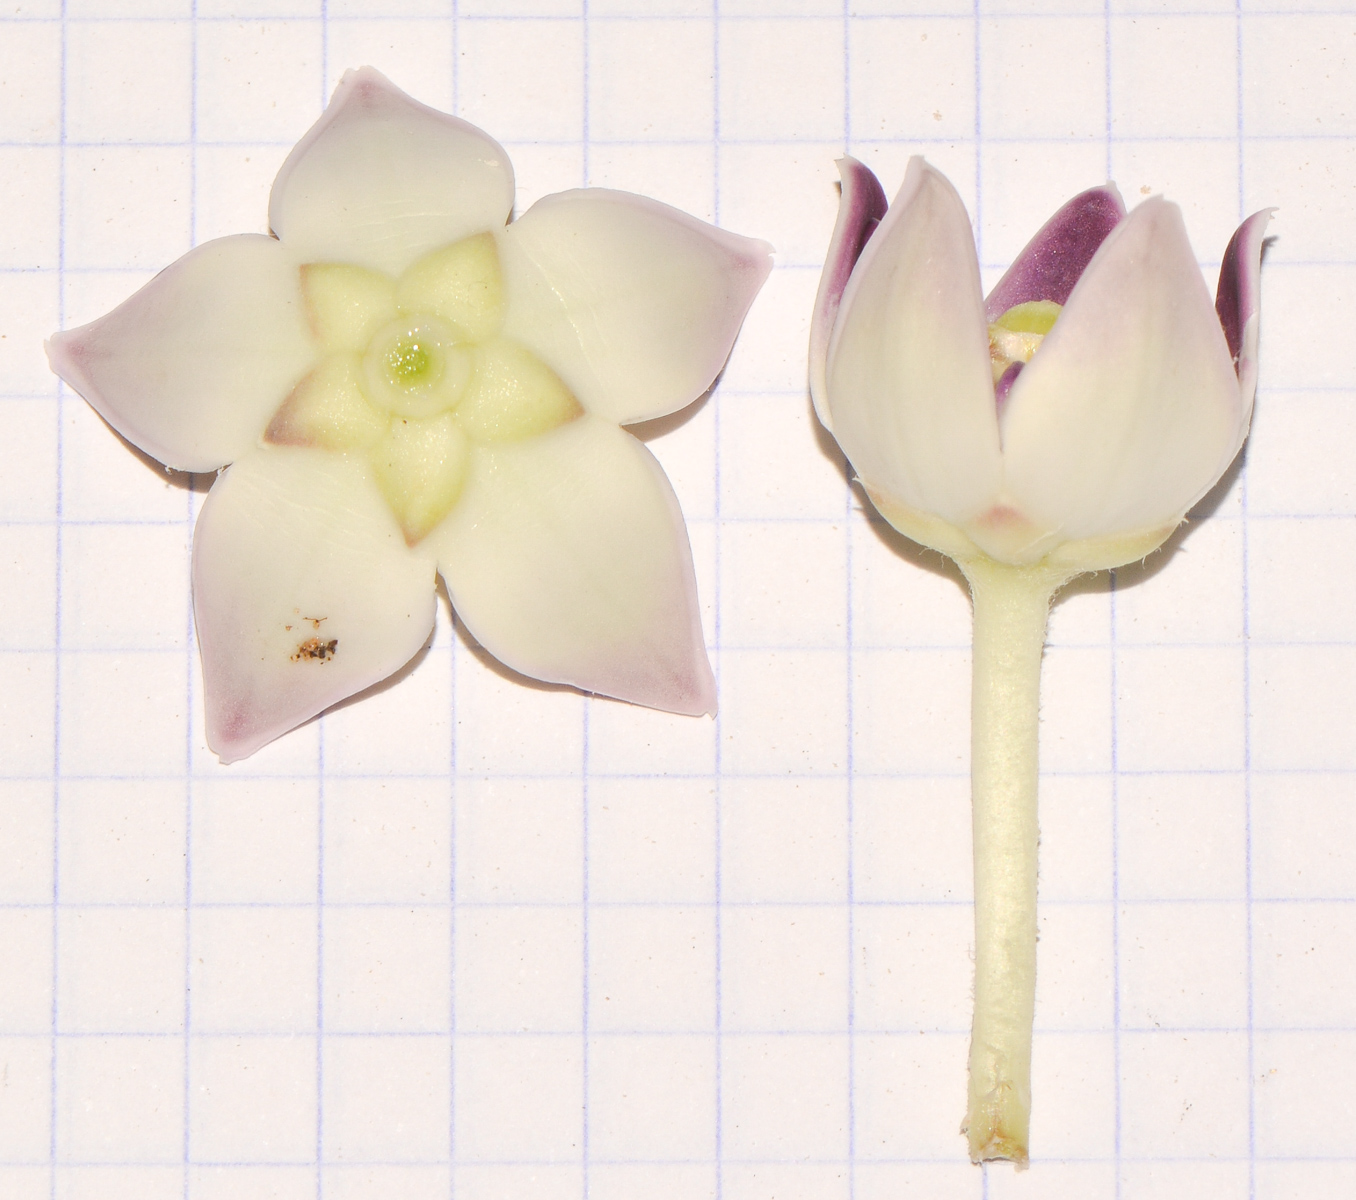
314	650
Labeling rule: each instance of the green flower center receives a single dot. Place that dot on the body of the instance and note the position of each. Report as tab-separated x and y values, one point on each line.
1019	332
407	362
417	366
413	374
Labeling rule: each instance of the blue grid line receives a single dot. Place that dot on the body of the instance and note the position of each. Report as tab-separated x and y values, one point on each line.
1089	15
187	1094
585	794
455	650
1117	1080
871	648
751	1032
60	417
70	522
789	776
321	1031
761	904
453	904
586	905
786	267
813	1160
320	905
849	662
1250	967
718	142
919	137
978	222
1114	657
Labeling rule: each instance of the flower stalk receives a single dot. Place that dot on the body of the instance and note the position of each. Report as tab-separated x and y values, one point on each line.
1011	606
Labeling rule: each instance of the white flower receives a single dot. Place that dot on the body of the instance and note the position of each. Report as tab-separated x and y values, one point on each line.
1063	425
405	385
1075	415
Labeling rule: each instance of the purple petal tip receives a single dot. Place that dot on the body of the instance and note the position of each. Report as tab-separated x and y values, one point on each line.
860	210
1238	298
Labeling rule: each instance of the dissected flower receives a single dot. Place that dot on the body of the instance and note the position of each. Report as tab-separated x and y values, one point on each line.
1063	425
405	385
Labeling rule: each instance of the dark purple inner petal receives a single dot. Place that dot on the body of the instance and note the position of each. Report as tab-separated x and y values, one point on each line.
859	213
1052	261
1236	298
865	204
1005	382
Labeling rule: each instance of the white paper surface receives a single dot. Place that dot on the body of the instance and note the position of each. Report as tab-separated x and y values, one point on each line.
473	938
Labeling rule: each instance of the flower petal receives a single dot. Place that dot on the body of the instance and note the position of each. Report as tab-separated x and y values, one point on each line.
1239	299
1130	410
568	560
860	210
192	366
1051	262
635	305
909	384
304	593
381	179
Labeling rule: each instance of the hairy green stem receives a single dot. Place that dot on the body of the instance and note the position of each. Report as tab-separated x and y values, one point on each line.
1012	607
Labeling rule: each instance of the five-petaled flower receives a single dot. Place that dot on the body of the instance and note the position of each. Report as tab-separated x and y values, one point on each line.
405	384
1073	416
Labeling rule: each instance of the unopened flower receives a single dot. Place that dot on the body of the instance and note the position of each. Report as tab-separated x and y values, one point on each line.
1072	417
405	385
1065	424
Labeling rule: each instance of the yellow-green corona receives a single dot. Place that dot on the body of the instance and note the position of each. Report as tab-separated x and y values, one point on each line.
413	371
1019	332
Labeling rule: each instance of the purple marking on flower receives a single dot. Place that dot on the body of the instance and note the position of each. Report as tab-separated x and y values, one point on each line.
864	204
1005	382
1052	261
1238	296
860	211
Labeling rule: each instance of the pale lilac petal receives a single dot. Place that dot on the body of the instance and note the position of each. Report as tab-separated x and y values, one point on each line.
1051	262
381	179
1130	410
1238	300
635	305
192	366
304	593
860	209
568	560
909	385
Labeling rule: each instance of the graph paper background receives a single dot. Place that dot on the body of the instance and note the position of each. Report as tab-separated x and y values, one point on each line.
469	937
